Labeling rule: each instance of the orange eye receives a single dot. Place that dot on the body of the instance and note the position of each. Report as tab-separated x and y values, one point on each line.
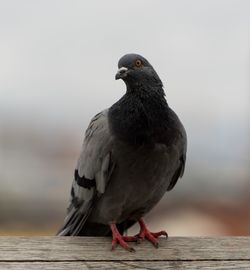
138	63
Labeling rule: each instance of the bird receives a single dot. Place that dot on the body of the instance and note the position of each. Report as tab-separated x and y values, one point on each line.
132	154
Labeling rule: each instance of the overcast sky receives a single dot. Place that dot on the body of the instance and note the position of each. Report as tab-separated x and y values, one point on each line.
58	60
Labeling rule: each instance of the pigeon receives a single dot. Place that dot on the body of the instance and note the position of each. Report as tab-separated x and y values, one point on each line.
132	154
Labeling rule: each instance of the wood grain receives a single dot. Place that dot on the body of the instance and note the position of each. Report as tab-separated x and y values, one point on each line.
180	265
94	253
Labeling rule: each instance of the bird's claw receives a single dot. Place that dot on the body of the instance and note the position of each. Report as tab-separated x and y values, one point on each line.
150	236
146	234
122	243
138	238
157	234
121	240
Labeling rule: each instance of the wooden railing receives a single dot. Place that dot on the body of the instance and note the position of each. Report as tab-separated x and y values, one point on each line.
73	253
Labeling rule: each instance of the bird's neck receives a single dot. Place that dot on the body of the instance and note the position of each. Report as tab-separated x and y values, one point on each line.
140	115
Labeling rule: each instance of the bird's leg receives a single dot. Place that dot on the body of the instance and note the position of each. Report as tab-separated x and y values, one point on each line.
150	236
117	238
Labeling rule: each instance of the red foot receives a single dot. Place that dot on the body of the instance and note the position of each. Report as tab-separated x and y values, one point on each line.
150	236
144	233
117	238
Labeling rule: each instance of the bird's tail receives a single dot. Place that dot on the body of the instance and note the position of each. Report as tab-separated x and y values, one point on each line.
97	229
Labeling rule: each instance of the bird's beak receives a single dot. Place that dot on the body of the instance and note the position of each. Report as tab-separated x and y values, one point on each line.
121	73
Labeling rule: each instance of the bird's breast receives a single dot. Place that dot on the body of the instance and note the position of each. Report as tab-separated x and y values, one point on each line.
139	180
139	120
144	164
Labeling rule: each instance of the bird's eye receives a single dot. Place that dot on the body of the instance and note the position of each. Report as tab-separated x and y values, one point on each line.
138	63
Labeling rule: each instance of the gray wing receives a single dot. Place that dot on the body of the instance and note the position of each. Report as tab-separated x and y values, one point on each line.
92	173
182	147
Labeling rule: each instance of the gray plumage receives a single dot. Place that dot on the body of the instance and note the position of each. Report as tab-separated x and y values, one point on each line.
132	154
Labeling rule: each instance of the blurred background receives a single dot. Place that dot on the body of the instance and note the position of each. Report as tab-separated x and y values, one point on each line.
58	60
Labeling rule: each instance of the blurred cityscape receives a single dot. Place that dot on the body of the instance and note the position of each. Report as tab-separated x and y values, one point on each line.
57	68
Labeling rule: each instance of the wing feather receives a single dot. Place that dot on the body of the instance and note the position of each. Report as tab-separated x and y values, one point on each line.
182	149
93	171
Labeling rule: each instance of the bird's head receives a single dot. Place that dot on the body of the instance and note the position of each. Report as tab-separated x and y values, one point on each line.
135	70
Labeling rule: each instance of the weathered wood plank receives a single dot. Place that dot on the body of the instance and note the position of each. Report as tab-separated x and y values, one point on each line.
173	265
98	249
